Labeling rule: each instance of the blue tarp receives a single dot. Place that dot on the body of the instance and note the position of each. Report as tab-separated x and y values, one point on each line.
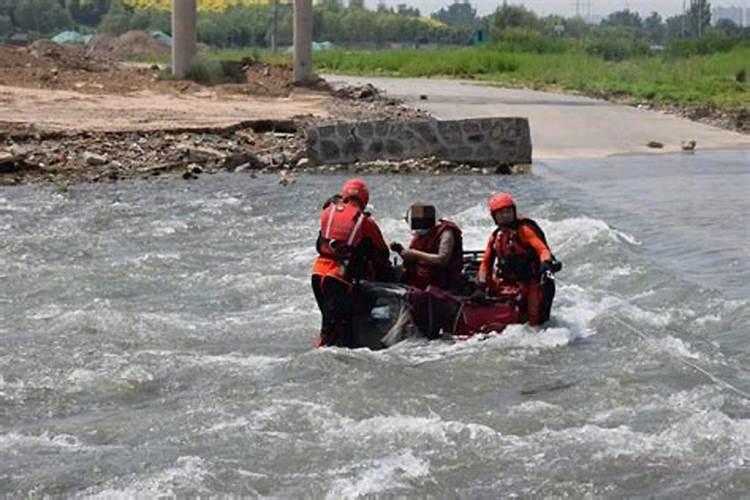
316	46
71	37
162	37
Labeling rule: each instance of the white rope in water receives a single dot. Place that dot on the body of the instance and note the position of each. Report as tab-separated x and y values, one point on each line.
717	380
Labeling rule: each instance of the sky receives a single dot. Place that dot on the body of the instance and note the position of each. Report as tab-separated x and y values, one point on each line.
567	7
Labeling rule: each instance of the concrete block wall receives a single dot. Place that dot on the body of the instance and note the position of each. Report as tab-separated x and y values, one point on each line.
485	141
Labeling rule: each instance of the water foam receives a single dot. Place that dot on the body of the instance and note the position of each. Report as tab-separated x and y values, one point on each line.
64	442
187	476
380	475
255	362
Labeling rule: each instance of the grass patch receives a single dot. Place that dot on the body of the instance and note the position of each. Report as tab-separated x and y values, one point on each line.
718	80
416	63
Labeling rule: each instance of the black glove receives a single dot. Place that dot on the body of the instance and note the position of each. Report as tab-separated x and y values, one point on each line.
545	268
397	247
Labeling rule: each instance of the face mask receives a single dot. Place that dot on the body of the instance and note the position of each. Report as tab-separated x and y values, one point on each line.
419	232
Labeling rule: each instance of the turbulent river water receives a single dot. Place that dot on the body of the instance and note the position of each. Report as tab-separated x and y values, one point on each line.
157	340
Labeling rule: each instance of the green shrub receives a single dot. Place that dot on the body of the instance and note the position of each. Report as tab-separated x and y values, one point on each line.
525	40
709	44
210	72
6	27
216	72
616	49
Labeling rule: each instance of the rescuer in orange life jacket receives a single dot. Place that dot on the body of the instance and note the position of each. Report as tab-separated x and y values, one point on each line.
517	254
350	247
435	254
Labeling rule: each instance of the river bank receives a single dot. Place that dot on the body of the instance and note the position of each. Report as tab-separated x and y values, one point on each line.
711	89
563	126
69	117
248	149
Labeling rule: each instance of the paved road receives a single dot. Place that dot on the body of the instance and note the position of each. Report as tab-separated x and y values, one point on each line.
562	126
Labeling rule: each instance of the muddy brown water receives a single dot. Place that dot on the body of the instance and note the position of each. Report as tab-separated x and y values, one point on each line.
157	341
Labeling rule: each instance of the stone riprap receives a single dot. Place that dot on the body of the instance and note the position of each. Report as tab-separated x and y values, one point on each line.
485	141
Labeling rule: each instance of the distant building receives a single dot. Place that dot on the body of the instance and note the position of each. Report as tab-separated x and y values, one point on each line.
733	14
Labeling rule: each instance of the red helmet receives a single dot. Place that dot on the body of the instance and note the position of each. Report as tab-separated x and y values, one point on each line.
499	201
356	188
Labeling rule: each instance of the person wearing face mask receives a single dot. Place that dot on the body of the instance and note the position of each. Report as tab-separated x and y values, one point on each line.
517	254
435	254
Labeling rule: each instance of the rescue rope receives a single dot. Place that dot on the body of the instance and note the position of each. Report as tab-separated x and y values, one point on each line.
714	378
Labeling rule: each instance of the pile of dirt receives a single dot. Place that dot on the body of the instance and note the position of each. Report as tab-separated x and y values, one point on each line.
259	78
45	54
12	57
94	69
269	79
366	92
127	45
47	65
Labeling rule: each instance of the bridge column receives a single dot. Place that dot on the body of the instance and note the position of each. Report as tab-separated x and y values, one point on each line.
184	14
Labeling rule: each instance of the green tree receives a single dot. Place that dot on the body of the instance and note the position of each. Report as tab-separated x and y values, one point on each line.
211	32
117	19
654	28
331	5
623	19
458	14
6	27
356	4
512	16
141	20
42	16
405	10
675	27
576	27
698	17
728	28
87	12
6	7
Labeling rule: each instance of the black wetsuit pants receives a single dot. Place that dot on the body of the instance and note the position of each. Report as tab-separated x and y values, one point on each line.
334	298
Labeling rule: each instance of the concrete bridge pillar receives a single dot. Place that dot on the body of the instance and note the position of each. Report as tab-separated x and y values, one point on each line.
184	14
303	34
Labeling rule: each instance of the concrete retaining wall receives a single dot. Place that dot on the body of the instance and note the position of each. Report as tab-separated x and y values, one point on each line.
486	141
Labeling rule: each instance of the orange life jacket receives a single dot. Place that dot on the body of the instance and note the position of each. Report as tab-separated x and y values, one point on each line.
420	275
340	230
516	261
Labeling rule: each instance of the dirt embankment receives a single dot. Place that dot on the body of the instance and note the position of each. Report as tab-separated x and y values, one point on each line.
97	69
47	65
71	115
